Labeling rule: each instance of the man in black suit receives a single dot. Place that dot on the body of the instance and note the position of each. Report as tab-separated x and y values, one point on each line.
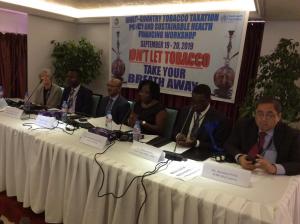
200	127
265	142
78	97
114	103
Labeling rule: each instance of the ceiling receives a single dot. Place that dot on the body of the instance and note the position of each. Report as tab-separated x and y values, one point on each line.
90	4
269	10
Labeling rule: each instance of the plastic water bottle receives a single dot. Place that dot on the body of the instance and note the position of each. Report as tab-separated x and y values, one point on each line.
136	132
64	109
1	92
108	121
26	103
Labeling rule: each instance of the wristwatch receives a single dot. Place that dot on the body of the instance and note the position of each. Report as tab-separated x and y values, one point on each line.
144	122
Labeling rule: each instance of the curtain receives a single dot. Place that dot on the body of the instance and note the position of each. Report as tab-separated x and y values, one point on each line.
248	71
13	64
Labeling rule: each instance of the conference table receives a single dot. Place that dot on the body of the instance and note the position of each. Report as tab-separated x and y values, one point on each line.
53	172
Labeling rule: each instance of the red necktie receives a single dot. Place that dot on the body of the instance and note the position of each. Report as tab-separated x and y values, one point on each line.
257	147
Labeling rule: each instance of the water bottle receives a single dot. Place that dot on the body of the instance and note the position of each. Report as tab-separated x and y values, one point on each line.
108	121
26	103
64	109
136	132
1	92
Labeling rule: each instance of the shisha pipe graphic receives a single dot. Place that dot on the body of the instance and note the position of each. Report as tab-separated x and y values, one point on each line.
118	66
224	76
229	47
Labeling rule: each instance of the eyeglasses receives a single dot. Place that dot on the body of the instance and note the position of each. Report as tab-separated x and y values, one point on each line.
267	115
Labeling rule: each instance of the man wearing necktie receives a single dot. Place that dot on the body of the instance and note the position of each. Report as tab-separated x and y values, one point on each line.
200	127
265	142
78	97
114	103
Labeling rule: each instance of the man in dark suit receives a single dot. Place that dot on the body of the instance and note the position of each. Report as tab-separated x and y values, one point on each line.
265	142
114	103
78	97
200	127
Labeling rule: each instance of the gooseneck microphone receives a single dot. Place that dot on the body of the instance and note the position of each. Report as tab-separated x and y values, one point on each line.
186	119
125	117
123	136
183	126
33	91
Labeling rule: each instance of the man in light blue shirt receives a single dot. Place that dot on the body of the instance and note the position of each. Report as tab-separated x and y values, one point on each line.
265	142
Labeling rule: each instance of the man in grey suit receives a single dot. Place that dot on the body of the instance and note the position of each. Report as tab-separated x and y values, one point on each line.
48	94
114	103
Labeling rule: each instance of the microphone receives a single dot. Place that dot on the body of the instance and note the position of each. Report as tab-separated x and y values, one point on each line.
174	156
35	88
123	136
124	118
187	117
184	123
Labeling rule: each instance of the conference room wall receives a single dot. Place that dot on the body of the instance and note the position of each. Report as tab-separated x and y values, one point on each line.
40	33
12	22
274	30
99	35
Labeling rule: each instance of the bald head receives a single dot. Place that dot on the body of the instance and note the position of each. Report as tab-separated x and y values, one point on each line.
114	87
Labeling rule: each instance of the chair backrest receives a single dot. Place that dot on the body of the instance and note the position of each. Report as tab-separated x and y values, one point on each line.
96	99
171	118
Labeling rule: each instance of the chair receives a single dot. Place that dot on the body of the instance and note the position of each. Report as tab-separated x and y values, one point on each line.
171	118
96	99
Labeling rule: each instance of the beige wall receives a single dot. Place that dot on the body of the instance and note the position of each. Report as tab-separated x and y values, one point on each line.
276	30
99	36
40	32
12	22
279	29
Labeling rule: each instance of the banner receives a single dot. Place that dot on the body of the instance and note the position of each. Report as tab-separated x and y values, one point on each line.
180	51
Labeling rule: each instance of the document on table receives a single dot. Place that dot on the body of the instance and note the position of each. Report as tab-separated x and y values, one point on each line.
184	170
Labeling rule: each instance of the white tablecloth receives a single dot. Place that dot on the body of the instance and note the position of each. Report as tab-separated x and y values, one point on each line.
53	172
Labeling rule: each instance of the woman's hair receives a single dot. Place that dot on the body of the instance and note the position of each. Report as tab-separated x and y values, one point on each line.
153	86
48	73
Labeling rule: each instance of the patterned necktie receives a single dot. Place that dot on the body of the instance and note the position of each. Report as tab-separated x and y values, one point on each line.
195	126
71	98
109	105
258	147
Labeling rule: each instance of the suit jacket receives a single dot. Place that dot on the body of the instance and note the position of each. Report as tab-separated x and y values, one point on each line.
53	99
286	141
206	147
83	102
120	110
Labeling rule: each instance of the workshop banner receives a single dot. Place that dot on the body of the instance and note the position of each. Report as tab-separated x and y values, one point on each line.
180	51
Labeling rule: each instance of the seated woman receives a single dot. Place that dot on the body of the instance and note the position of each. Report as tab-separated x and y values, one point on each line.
148	110
48	94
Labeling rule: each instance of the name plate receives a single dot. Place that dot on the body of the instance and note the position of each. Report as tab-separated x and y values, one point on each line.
226	174
45	122
13	112
94	140
3	103
147	152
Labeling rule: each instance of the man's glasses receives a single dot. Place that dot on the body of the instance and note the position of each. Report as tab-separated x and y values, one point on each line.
267	115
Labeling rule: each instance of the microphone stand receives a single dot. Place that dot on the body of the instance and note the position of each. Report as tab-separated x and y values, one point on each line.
183	126
34	90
